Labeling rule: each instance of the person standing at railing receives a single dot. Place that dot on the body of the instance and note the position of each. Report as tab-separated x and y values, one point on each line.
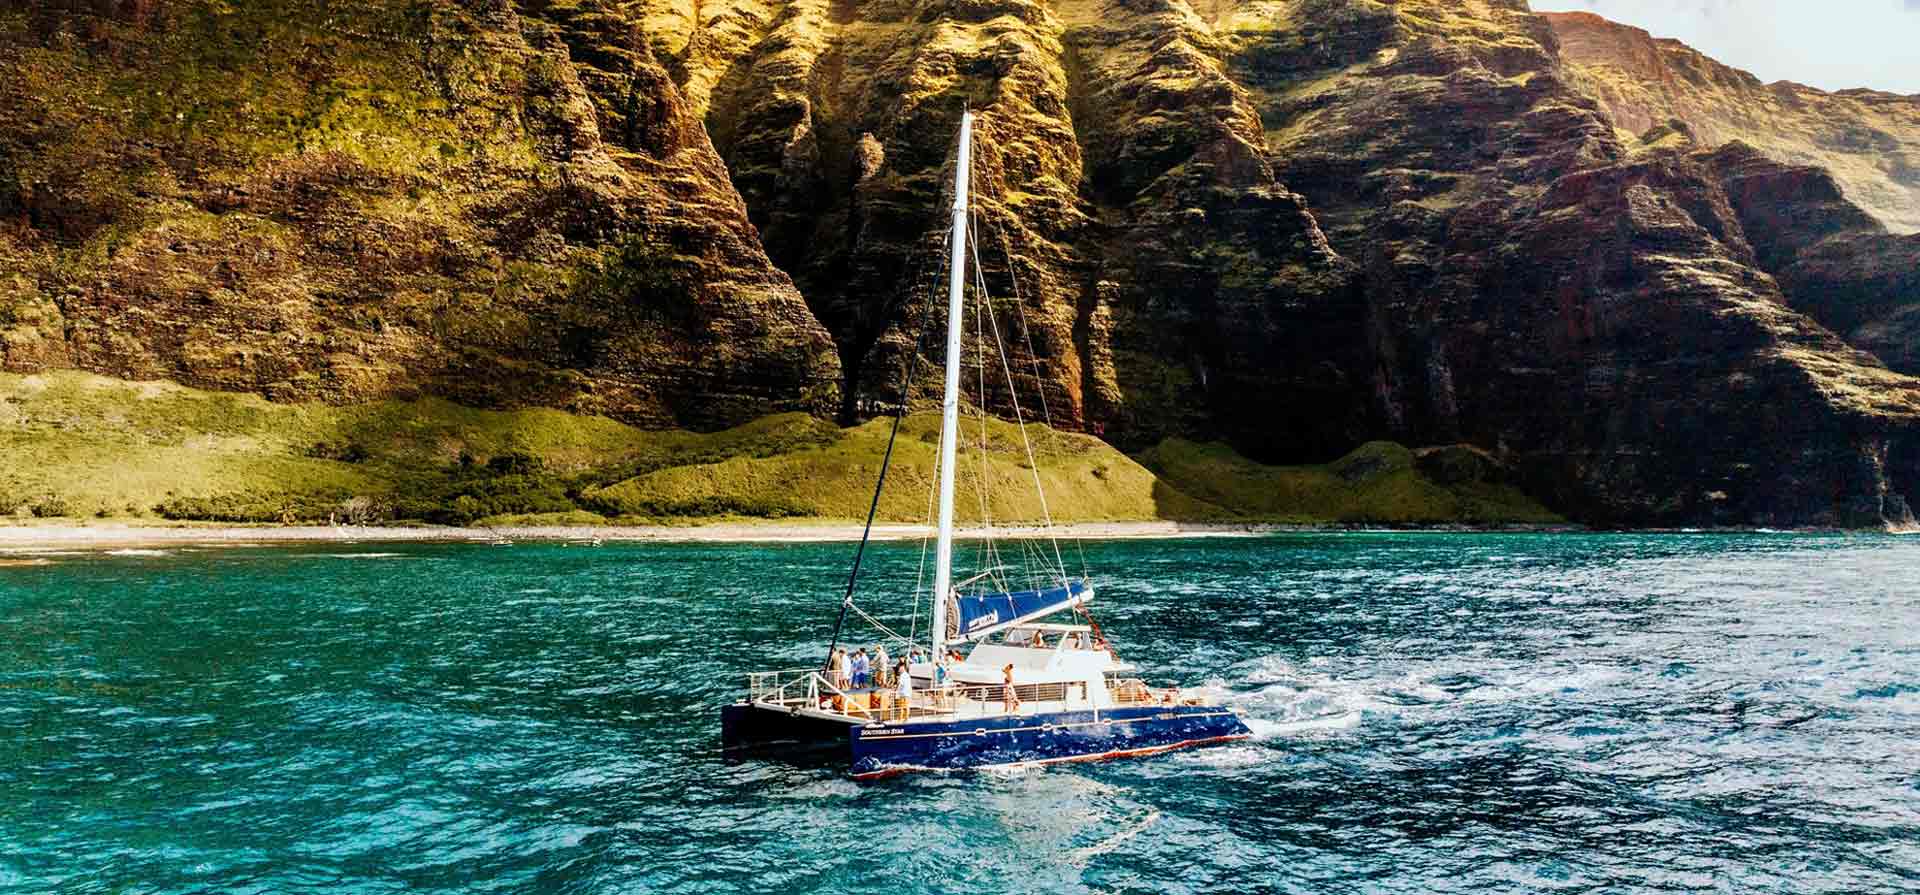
882	664
859	668
842	668
1012	698
903	690
939	683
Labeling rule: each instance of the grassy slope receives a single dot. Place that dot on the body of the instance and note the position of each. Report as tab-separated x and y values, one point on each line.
107	447
1083	478
1377	482
78	445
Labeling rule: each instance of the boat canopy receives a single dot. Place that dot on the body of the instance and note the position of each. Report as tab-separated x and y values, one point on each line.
975	616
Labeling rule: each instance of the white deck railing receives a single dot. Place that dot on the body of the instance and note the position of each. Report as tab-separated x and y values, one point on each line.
787	686
808	688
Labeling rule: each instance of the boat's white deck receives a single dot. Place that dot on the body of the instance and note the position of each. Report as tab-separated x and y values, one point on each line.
961	702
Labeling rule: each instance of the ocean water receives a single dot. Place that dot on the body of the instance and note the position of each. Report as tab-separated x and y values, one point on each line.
1434	713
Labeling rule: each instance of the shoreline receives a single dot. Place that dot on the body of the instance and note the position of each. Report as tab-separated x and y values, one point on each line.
28	537
112	534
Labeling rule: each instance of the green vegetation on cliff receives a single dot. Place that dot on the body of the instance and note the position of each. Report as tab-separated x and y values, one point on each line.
78	445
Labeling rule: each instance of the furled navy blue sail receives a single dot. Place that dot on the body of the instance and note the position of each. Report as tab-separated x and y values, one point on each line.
977	615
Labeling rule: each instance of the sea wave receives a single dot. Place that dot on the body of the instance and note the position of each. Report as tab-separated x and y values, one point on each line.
1591	712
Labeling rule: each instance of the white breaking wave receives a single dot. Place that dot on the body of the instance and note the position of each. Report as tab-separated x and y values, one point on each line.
836	788
1080	857
1295	701
1264	729
352	555
1281	699
1226	757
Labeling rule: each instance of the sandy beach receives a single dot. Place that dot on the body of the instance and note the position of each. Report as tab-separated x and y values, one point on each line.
111	534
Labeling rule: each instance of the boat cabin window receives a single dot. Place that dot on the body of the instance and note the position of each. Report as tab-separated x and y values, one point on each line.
1051	637
1020	637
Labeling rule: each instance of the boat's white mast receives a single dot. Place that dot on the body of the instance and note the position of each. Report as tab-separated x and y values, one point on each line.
950	400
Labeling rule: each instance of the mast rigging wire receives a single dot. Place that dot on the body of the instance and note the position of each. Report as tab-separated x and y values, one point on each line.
873	508
1033	360
989	549
1013	398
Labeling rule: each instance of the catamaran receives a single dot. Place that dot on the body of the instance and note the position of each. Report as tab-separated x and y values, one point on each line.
998	685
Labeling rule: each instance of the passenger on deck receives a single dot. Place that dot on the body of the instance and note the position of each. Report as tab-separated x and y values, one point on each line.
1039	640
859	669
939	683
882	665
1079	640
1012	699
903	690
842	668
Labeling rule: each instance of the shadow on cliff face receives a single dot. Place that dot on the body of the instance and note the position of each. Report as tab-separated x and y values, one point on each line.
1903	472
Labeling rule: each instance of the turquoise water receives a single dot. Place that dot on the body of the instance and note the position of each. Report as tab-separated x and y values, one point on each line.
1434	713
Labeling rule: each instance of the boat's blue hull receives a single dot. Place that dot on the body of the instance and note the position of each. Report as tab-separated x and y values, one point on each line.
881	749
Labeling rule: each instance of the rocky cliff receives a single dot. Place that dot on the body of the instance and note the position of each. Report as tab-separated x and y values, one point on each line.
1293	225
1534	283
1868	140
367	199
1827	185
